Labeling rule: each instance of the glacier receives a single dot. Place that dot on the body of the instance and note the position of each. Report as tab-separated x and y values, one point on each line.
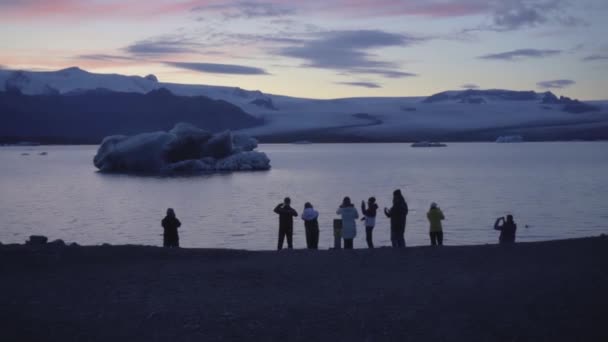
455	115
185	149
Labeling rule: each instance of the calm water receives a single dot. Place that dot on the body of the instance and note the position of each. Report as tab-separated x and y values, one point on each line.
559	190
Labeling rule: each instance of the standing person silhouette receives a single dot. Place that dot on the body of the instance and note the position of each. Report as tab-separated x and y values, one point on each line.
286	214
507	229
349	222
370	219
435	216
170	224
397	214
311	225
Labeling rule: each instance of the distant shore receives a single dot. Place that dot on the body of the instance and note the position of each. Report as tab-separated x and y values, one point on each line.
541	291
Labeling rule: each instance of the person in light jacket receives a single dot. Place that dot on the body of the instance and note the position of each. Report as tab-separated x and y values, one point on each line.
397	214
435	216
349	215
370	219
311	225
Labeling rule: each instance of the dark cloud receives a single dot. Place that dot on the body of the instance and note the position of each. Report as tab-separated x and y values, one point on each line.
593	58
521	54
555	84
350	51
469	86
105	57
512	15
361	84
247	9
213	68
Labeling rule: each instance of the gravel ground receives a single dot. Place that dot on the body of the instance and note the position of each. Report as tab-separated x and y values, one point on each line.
545	291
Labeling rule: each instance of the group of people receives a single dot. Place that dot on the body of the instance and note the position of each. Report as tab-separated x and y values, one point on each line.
345	228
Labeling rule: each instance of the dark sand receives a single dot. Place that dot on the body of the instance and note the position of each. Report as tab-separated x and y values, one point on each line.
548	291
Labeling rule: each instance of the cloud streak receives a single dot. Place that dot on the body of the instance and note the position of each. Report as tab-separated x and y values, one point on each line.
521	54
165	45
370	85
105	57
594	58
555	84
213	68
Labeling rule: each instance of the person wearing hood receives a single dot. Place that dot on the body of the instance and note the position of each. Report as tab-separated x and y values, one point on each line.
435	216
507	229
349	215
311	225
170	224
286	214
398	215
370	219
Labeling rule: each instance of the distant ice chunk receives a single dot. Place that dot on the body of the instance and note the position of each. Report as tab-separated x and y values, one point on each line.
185	149
510	139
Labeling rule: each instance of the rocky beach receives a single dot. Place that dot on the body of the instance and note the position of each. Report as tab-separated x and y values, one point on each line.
542	291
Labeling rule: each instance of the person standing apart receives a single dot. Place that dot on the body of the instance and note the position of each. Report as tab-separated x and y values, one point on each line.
286	214
435	216
170	224
397	214
311	225
507	229
370	219
349	215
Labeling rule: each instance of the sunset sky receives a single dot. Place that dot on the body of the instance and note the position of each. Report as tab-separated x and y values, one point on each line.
321	48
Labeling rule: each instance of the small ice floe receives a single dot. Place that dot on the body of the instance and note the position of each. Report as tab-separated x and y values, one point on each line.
510	139
428	144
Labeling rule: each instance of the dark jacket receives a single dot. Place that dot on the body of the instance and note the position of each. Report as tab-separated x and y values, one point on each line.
170	236
170	225
397	214
286	215
507	231
370	211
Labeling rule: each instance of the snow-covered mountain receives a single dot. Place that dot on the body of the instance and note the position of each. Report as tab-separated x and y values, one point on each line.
453	115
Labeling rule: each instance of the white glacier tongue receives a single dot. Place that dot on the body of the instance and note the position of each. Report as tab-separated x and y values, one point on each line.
185	149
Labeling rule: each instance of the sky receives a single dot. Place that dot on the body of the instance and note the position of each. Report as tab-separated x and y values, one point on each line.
321	48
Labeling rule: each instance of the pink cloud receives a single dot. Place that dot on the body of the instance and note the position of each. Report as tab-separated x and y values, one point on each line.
57	9
86	9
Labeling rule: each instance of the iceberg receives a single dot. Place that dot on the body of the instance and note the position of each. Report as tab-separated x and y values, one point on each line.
185	149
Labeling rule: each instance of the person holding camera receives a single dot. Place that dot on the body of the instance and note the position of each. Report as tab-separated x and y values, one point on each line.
507	229
286	214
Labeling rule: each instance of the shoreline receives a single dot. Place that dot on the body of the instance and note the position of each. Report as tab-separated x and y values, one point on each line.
540	291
